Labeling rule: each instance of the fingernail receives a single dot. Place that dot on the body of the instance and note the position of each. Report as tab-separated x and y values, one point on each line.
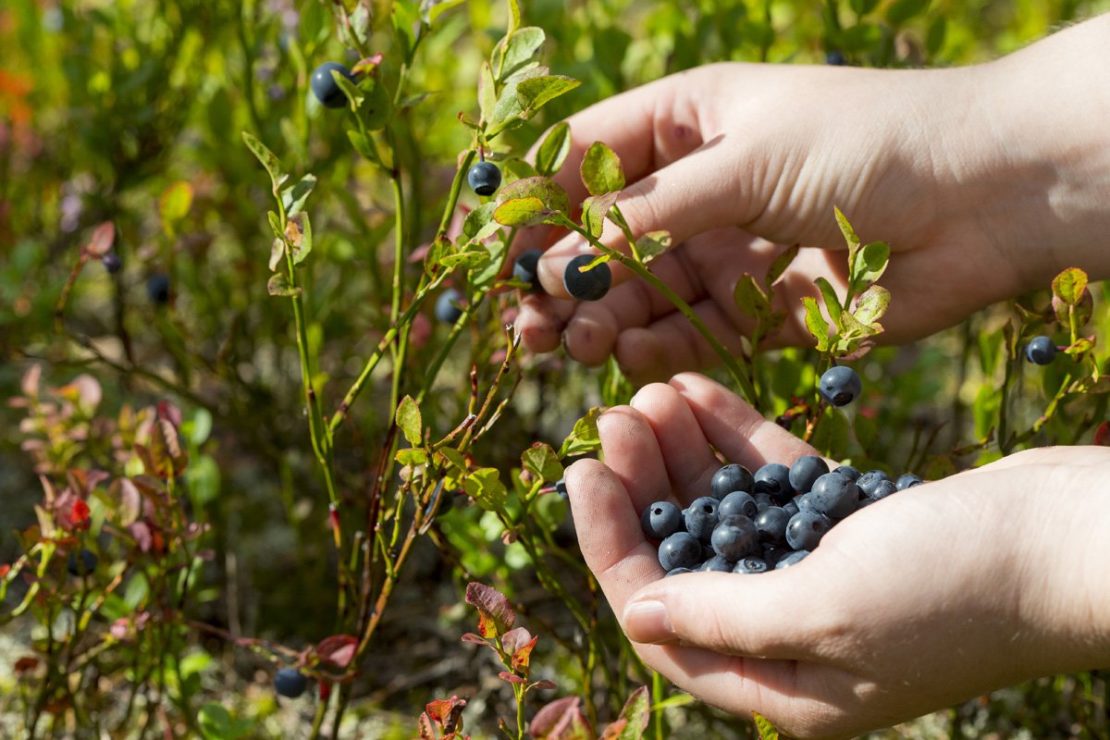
647	621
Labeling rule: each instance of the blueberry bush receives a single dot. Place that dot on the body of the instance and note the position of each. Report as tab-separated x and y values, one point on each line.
269	440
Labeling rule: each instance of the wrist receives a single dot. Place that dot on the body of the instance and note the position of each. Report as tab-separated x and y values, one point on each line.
1045	110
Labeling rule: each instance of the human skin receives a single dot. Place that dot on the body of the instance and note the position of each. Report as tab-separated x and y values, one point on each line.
986	180
931	596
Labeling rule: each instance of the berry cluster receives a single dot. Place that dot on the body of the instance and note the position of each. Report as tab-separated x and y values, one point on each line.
772	519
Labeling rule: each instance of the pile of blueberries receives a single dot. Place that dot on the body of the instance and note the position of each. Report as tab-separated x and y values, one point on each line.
771	519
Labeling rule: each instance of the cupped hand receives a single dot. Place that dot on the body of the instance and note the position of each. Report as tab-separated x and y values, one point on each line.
740	161
931	596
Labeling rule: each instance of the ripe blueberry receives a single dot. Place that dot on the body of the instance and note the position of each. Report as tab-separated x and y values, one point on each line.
324	86
680	550
701	517
848	472
805	529
524	269
869	481
805	471
677	571
290	683
763	501
112	262
448	309
792	559
751	565
1040	350
773	553
738	503
735	538
716	564
661	520
803	502
591	285
774	478
835	59
883	489
834	495
158	288
907	480
732	478
790	507
840	385
772	524
561	487
81	563
484	178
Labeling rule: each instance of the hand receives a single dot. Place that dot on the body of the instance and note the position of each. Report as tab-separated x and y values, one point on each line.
954	168
931	596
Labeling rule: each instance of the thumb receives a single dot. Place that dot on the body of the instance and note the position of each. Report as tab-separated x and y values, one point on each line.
696	193
763	616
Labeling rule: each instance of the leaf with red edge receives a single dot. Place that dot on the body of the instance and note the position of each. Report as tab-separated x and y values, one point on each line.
495	614
562	719
510	677
515	639
615	730
544	685
474	639
636	714
447	713
424	727
100	243
337	651
1102	434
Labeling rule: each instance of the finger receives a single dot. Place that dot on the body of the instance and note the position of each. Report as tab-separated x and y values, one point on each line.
632	452
541	322
684	198
590	334
734	427
684	449
672	344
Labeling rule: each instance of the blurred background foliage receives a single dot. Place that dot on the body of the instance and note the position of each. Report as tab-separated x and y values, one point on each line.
131	111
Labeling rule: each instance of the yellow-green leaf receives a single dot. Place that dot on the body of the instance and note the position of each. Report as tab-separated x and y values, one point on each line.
601	170
409	421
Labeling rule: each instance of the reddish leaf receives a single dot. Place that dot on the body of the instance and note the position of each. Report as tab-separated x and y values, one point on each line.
325	691
474	639
510	677
495	615
337	650
170	412
615	730
102	239
446	713
5	569
424	727
141	532
515	639
544	685
522	655
26	664
562	719
1102	434
80	514
635	715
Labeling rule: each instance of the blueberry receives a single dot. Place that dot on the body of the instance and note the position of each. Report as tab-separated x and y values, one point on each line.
524	269
732	477
790	507
772	524
1040	350
751	565
763	501
840	385
680	550
591	285
882	490
158	288
834	495
738	503
677	572
805	471
448	309
869	482
701	517
907	480
792	559
112	262
290	683
773	553
805	529
835	58
803	502
774	478
735	538
324	86
716	564
848	472
561	487
484	178
661	520
81	563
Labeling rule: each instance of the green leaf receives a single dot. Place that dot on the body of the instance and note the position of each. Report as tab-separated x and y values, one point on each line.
433	9
601	170
174	204
298	233
514	16
479	223
467	259
934	38
870	264
409	421
536	92
522	47
902	10
764	727
411	456
485	487
1069	286
215	722
362	144
521	212
355	96
294	197
780	265
482	276
267	158
594	210
278	285
815	322
541	461
750	298
871	305
508	109
136	592
275	224
553	150
652	244
487	91
832	303
584	438
636	713
549	192
850	237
